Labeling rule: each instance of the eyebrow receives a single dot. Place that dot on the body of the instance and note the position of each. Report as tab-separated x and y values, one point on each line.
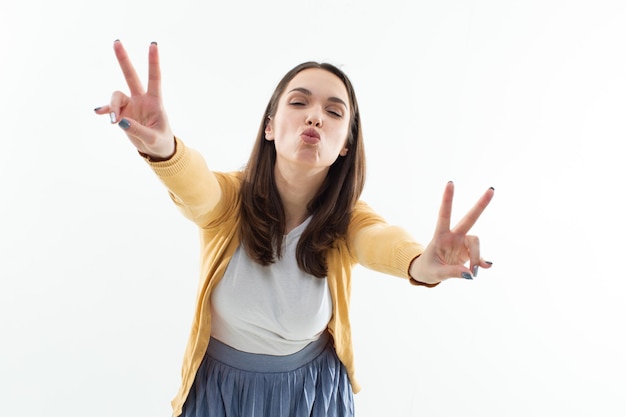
309	93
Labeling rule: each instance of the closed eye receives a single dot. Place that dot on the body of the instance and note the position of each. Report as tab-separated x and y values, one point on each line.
335	113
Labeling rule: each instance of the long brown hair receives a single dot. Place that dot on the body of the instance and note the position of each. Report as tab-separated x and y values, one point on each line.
262	215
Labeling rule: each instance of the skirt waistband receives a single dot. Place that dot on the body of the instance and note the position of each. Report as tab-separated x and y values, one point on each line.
254	362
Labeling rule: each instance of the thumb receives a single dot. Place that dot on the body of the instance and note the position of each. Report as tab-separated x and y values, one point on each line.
457	271
136	130
148	141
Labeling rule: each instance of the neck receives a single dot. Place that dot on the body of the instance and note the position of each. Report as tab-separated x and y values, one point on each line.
296	189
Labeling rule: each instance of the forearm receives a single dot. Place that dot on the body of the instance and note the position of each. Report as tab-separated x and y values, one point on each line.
192	186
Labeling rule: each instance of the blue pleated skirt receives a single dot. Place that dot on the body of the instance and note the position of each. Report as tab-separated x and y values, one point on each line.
230	383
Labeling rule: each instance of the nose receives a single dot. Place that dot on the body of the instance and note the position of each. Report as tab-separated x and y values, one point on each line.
314	119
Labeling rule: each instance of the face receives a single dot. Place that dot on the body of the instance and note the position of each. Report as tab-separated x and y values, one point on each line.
312	120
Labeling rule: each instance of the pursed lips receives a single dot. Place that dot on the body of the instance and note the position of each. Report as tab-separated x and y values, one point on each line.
310	136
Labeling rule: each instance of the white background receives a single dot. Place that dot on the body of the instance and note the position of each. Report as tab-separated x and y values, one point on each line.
98	270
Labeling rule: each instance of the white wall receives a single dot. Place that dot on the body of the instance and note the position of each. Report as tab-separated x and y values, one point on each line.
98	270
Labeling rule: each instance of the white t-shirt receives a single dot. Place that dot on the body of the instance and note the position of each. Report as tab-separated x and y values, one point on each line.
274	310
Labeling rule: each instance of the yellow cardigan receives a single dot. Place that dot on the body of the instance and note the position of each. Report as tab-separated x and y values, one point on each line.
211	200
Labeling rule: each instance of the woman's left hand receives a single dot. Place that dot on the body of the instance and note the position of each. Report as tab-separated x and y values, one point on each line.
450	249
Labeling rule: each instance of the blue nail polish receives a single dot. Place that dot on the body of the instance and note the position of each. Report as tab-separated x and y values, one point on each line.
467	276
124	124
475	270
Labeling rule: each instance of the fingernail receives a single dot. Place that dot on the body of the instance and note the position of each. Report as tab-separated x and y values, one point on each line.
113	117
475	270
467	275
491	188
153	43
488	262
117	40
97	108
124	124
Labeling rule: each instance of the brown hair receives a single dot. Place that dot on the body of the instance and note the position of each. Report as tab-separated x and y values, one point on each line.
262	215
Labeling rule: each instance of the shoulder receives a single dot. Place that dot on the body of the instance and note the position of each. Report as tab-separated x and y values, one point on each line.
229	179
363	215
363	218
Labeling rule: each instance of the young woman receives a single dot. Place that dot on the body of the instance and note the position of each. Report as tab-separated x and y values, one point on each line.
271	334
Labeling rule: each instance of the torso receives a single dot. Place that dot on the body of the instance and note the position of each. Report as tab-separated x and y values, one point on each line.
276	309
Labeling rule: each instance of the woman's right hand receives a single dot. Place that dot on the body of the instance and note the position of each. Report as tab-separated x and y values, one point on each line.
141	116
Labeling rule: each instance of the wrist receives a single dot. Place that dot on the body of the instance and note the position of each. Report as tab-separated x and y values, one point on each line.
415	277
160	157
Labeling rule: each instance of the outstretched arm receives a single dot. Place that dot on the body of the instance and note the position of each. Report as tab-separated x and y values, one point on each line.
192	186
141	115
450	249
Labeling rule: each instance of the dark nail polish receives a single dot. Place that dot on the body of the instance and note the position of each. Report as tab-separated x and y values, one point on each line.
467	276
124	124
488	262
491	188
153	43
97	108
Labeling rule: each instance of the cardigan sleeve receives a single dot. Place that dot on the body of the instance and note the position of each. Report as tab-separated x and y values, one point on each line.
201	195
382	247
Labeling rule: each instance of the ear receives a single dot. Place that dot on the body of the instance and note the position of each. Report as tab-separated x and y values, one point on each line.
344	151
269	132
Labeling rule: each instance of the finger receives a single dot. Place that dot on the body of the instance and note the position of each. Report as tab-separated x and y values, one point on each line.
466	223
456	272
134	84
106	110
141	135
482	264
102	109
118	101
445	211
154	71
472	244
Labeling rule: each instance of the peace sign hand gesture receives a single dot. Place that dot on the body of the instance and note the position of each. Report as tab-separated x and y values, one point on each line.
141	115
446	255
